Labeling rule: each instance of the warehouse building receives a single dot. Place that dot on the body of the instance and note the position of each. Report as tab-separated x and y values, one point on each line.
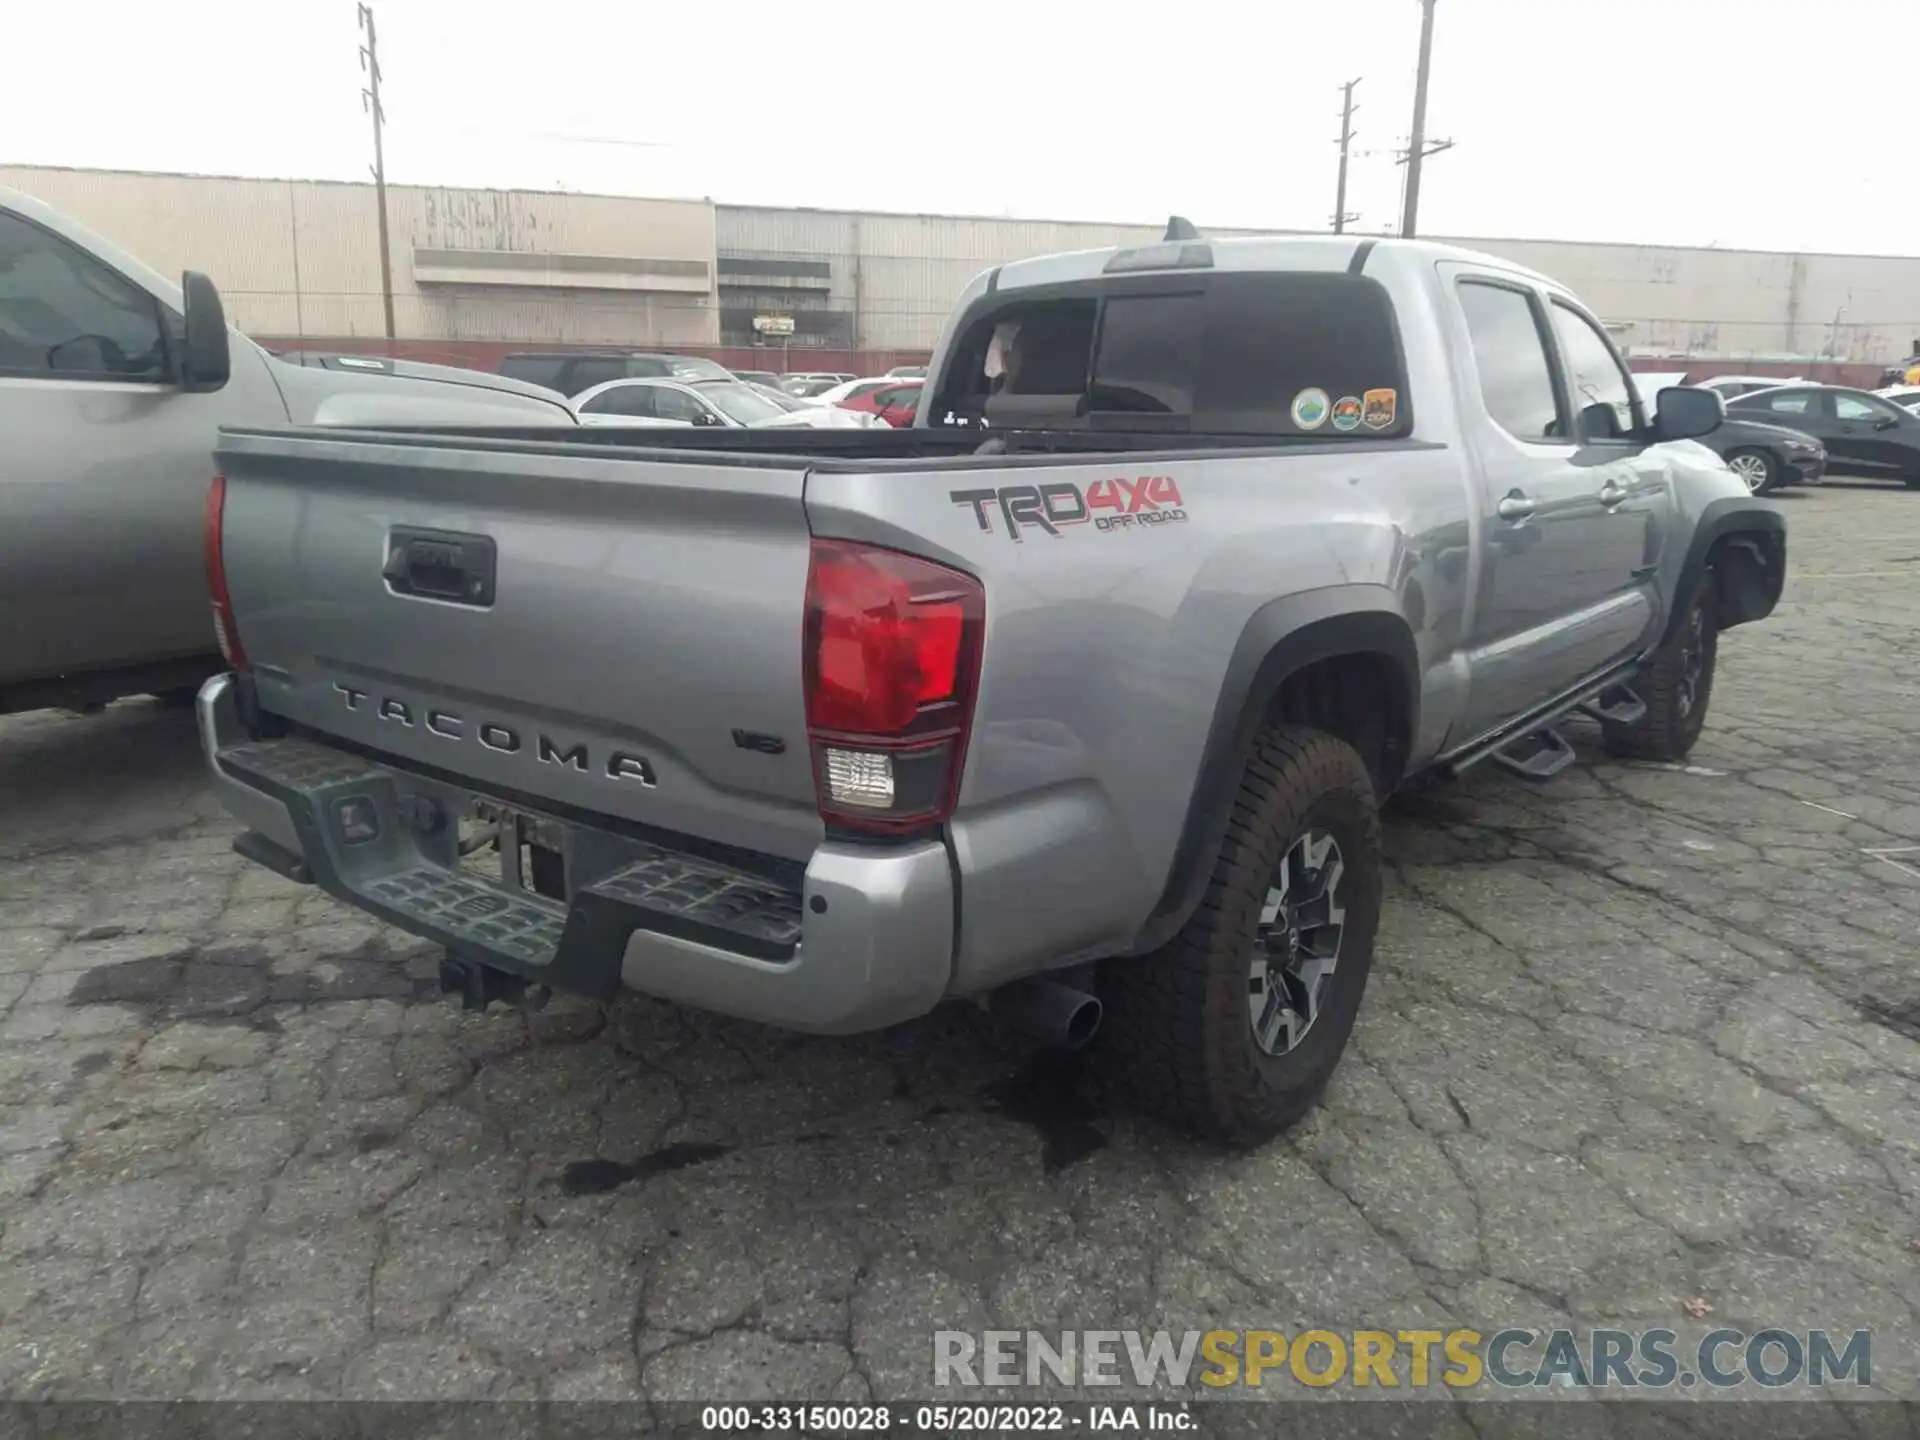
475	273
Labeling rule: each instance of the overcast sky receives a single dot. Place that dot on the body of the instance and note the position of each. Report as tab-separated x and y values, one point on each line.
1754	123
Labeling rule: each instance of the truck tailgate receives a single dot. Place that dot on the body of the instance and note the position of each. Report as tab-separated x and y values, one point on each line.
615	632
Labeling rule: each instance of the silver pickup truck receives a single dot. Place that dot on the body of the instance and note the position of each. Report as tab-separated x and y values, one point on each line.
113	384
1078	698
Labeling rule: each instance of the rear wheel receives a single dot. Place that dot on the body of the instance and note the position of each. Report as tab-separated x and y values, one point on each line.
1676	685
1234	1028
1756	469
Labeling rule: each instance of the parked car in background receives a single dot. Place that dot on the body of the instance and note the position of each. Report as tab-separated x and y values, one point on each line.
907	372
896	402
573	371
852	389
1732	387
1865	434
789	403
417	370
1768	457
114	384
812	383
1651	382
757	377
1906	396
720	403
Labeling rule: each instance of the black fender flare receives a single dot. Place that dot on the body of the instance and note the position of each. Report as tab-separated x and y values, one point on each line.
1733	515
1279	639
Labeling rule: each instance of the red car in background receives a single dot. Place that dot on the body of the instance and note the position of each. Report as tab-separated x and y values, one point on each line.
894	401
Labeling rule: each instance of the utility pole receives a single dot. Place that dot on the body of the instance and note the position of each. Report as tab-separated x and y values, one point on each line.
1347	107
1417	142
370	102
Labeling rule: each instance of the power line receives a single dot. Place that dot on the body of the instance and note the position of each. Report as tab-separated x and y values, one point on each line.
1347	107
370	102
1417	141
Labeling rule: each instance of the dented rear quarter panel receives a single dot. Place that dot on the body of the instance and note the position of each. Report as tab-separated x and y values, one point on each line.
1106	652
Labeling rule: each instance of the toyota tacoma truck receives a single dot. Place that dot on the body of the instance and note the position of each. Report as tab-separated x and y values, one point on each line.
1077	698
114	381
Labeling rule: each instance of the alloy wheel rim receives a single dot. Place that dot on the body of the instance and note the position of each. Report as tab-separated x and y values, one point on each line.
1296	948
1751	469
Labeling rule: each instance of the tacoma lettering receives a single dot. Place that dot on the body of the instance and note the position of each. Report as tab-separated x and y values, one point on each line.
503	739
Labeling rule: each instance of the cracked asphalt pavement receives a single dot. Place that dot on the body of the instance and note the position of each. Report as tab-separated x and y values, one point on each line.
1638	1039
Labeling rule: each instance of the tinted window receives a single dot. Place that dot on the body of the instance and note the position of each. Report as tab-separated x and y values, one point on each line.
739	402
1859	407
596	370
671	404
1516	377
621	400
1787	402
1595	375
64	313
1149	354
1272	341
1235	353
537	369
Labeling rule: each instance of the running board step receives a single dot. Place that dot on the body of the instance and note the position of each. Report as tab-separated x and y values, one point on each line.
1616	705
1538	755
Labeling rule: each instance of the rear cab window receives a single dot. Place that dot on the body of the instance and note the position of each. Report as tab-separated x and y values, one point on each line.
1303	354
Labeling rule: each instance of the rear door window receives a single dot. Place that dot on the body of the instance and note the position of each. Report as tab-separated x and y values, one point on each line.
1510	353
621	400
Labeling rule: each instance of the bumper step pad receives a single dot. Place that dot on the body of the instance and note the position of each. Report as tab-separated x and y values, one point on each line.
576	947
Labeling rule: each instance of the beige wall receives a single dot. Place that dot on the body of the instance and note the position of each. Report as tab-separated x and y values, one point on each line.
265	240
303	257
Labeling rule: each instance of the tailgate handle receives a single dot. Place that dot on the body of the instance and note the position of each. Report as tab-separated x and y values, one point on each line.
440	565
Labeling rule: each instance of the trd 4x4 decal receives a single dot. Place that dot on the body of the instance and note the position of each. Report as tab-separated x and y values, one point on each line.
1118	504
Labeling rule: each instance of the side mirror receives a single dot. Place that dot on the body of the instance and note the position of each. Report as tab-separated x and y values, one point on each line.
206	365
1885	422
1683	412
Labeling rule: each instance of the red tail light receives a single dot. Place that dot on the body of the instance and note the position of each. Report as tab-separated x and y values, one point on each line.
217	575
892	659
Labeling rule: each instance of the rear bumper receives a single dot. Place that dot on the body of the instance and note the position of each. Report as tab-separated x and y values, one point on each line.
861	939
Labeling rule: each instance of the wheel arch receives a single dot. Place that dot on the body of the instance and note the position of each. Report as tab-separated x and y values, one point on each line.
1343	659
1741	542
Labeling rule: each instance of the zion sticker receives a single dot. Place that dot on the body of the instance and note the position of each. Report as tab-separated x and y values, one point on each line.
1378	408
1346	414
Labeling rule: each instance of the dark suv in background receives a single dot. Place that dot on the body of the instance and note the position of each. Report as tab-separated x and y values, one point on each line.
571	371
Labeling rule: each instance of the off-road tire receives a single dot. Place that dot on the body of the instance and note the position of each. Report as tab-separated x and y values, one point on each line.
1670	727
1177	1039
